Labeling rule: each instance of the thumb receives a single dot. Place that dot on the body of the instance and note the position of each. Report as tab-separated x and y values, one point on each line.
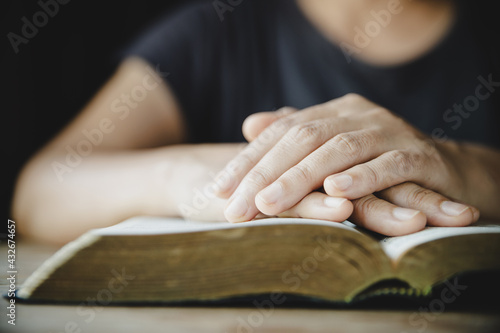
257	122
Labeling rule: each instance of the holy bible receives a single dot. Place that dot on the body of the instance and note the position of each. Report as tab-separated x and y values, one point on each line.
158	260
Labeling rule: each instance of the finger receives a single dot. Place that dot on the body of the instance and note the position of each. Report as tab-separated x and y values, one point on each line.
288	152
303	176
285	154
257	122
230	177
386	218
317	205
440	211
389	169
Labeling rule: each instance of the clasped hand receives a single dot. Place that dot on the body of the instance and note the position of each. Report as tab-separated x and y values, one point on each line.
347	158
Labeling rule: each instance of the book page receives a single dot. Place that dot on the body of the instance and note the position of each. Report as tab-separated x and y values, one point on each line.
395	247
148	225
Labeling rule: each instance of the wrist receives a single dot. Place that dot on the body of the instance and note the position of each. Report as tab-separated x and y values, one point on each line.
179	176
157	196
458	167
477	173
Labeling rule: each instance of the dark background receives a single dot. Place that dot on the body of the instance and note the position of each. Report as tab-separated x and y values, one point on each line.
51	78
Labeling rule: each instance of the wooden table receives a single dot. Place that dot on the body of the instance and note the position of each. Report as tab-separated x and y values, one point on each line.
471	313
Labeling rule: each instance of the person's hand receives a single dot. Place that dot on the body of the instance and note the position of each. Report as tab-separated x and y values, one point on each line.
193	188
396	177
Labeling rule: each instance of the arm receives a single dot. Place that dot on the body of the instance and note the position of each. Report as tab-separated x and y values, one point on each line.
58	197
123	157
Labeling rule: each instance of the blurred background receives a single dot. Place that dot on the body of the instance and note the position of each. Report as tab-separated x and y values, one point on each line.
58	70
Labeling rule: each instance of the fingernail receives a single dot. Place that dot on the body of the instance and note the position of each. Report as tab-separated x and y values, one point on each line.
333	202
342	182
271	194
452	208
476	214
404	214
237	208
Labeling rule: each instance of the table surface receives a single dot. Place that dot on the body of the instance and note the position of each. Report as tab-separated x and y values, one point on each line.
478	315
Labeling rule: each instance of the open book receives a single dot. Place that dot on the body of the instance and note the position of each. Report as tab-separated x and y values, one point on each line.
147	259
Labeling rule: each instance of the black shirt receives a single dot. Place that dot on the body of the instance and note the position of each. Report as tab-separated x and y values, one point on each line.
266	54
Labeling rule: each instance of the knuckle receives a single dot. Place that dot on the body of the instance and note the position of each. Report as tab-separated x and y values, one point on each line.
351	98
283	124
285	110
366	204
418	196
312	111
306	134
303	173
379	112
406	163
267	136
244	159
429	154
349	144
435	155
427	145
259	177
236	167
372	175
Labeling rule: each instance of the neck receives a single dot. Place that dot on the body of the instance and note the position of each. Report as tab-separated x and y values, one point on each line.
404	29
